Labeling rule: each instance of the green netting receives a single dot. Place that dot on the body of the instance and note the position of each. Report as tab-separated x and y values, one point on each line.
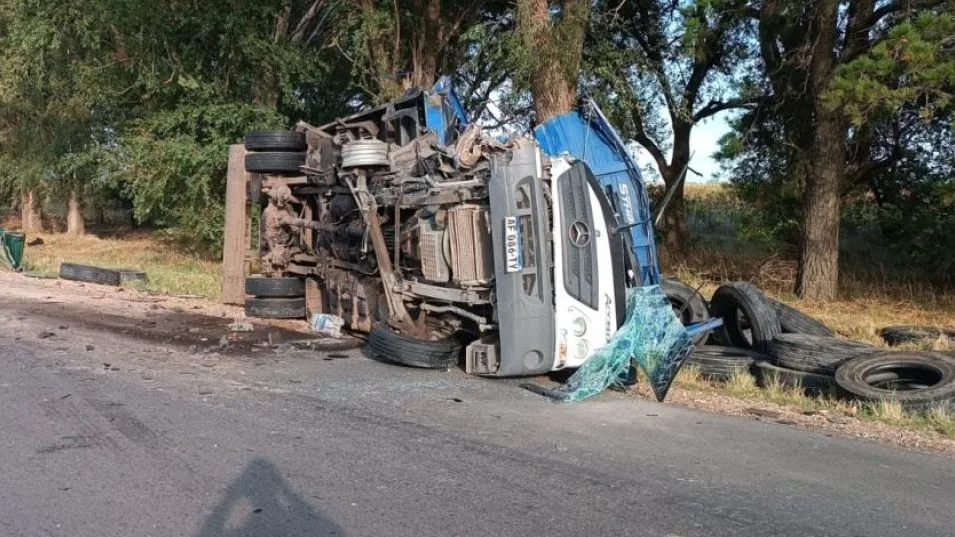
652	336
11	249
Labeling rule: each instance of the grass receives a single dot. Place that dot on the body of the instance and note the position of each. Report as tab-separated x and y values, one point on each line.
871	297
170	269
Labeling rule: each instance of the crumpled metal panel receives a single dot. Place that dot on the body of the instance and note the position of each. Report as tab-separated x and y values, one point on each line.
652	336
586	135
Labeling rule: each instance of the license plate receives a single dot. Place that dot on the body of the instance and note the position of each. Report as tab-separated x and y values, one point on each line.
513	251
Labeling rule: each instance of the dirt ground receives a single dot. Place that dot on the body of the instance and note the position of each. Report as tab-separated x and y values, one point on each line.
182	322
191	325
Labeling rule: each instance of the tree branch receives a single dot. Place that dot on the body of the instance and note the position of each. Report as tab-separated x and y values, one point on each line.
715	107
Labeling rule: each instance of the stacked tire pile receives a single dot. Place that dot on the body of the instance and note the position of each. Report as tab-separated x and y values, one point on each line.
780	345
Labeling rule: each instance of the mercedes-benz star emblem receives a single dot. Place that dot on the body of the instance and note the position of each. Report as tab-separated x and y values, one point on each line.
579	234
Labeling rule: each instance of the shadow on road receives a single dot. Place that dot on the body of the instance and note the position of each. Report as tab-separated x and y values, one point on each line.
260	503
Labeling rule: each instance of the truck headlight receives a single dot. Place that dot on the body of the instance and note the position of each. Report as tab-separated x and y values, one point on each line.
579	326
583	349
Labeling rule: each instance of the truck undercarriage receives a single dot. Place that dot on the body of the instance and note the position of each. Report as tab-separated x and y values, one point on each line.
421	229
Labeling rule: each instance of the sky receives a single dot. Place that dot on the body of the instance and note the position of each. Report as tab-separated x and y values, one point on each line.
703	143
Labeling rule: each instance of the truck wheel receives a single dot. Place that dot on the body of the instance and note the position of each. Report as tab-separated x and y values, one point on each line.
386	345
815	354
275	287
793	321
274	162
275	308
275	141
687	303
86	273
917	380
749	321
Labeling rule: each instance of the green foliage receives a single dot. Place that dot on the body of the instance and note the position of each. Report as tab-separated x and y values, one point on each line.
914	63
173	166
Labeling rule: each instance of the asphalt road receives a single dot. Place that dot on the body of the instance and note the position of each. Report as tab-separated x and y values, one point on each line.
161	442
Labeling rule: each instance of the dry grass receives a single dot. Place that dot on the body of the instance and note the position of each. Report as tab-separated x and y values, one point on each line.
170	269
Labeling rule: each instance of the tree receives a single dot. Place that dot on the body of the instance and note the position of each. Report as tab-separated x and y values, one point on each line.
686	60
552	40
803	47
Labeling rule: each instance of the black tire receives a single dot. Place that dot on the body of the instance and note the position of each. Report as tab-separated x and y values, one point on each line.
793	321
768	374
815	354
897	335
274	162
386	345
917	380
275	308
275	141
275	287
687	303
743	307
86	273
723	363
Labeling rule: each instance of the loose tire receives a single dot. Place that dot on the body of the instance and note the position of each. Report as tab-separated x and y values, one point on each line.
897	335
815	354
275	287
793	321
386	345
917	380
768	374
275	308
744	308
274	162
90	274
275	141
687	303
723	363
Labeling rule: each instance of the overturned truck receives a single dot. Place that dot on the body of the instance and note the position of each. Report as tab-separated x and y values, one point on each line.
414	225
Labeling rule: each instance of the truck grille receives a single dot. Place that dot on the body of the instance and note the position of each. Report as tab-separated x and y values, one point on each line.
579	255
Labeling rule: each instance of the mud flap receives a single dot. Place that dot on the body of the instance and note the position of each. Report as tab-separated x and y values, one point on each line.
652	337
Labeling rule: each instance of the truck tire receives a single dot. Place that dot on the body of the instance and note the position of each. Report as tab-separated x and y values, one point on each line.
815	354
274	162
275	287
793	321
743	307
387	345
275	141
917	380
897	335
687	303
275	308
90	274
768	374
723	363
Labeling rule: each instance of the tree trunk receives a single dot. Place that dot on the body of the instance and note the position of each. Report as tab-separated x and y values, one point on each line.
818	275
555	50
74	216
30	213
673	226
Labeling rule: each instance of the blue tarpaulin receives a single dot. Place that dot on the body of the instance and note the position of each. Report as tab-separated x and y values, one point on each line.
586	135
